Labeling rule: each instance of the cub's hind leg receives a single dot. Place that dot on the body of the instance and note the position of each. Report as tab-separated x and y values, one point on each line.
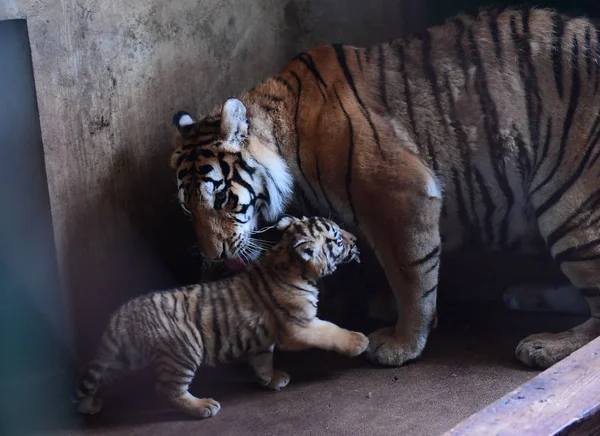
175	374
570	223
105	366
262	364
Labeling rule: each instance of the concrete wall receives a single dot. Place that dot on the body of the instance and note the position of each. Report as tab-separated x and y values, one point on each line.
109	75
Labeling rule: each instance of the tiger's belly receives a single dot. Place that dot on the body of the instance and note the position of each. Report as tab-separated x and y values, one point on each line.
481	212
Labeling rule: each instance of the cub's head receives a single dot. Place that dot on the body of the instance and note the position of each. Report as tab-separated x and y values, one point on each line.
318	242
229	178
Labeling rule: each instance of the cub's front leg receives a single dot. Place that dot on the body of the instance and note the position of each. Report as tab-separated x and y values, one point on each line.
403	227
324	335
262	364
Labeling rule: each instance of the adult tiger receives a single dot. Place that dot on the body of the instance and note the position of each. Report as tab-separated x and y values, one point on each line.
500	112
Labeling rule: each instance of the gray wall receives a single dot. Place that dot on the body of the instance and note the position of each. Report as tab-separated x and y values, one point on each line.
109	75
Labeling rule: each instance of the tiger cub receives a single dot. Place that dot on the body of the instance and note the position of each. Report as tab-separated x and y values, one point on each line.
273	302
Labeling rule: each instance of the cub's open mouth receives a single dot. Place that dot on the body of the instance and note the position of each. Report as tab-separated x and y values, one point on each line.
235	264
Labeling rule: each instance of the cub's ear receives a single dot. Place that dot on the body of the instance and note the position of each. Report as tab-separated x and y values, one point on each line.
234	123
182	120
284	223
305	248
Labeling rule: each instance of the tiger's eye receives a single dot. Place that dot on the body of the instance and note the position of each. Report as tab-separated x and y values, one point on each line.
221	195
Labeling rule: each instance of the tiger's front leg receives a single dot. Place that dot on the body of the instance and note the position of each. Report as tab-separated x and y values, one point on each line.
403	227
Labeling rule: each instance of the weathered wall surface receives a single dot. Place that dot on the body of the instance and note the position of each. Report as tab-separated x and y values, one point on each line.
109	75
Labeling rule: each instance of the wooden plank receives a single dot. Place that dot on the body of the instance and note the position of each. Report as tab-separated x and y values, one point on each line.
564	399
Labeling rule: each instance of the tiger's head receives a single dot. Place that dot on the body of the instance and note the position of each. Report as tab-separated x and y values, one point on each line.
229	179
317	242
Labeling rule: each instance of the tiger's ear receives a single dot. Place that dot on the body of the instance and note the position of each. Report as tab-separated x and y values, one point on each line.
234	124
182	120
184	123
305	248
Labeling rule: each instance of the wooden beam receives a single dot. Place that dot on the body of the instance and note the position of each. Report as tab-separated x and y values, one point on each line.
564	399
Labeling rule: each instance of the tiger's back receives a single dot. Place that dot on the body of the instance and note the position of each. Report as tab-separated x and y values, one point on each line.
488	102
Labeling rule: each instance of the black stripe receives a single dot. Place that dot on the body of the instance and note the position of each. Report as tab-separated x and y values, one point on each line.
350	157
285	83
407	93
463	214
523	162
270	294
280	279
432	254
553	199
430	291
358	59
431	152
235	314
433	266
460	51
430	73
581	215
573	254
172	327
216	328
341	57
597	60
273	98
268	109
187	327
307	60
558	30
382	90
493	23
587	49
575	88
199	342
545	149
298	158
529	78
489	207
490	112
465	153
329	204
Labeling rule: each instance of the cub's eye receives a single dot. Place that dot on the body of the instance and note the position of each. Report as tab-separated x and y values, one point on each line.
221	195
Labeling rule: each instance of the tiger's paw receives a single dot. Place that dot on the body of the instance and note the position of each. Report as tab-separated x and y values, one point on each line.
543	350
279	380
388	350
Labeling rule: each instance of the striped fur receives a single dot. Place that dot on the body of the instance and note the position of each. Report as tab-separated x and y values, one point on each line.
274	302
497	114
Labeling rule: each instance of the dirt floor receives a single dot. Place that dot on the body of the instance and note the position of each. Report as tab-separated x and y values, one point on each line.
468	364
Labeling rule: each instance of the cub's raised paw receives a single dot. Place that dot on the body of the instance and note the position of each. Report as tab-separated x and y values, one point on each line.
356	344
206	408
386	349
279	380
